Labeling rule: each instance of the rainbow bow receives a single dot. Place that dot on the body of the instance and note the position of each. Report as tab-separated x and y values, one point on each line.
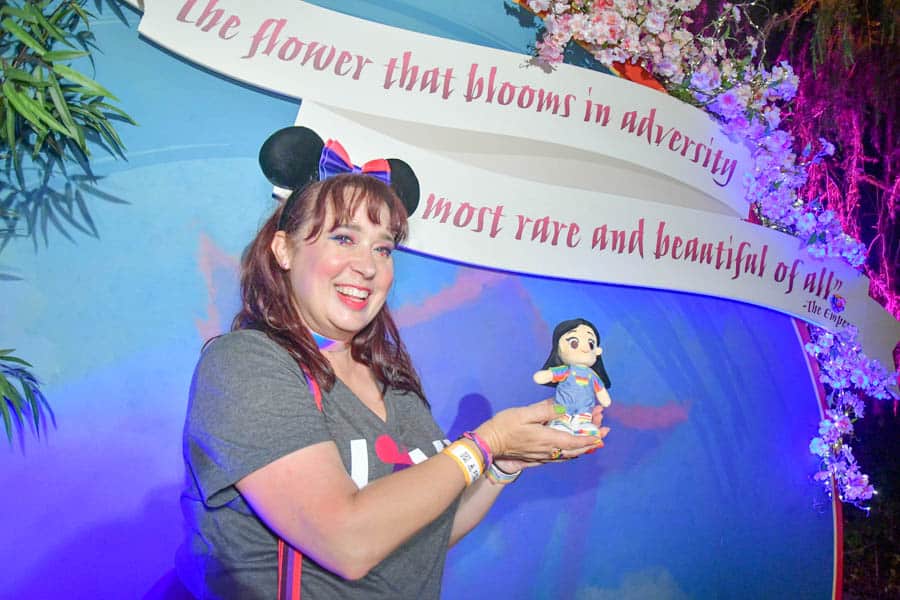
336	161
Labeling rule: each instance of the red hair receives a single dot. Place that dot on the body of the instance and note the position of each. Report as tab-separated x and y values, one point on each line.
267	297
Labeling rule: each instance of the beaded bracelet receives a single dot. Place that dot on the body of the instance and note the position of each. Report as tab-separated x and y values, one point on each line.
497	475
468	456
486	453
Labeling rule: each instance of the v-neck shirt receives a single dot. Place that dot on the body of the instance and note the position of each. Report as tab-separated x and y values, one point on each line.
250	405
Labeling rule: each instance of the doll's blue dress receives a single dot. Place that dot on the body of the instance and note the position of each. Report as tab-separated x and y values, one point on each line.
576	388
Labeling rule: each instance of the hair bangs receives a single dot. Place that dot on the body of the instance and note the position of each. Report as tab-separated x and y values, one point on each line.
341	196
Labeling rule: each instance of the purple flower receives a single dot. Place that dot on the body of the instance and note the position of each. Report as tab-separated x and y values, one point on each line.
728	105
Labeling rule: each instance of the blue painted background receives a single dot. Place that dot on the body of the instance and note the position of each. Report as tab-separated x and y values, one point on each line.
702	491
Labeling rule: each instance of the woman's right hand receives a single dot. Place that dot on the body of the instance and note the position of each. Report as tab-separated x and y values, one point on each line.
521	434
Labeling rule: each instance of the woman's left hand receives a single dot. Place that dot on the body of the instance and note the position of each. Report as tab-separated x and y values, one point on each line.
512	465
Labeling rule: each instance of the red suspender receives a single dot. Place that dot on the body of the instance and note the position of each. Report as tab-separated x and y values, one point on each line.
290	560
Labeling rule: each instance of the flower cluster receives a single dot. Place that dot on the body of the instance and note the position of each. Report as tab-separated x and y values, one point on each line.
847	372
720	70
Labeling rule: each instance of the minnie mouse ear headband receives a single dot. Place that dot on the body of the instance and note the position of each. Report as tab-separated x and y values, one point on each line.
294	157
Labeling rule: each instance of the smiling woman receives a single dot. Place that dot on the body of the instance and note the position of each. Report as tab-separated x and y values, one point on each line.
314	463
340	277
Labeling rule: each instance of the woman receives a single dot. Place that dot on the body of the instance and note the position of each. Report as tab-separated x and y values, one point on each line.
362	486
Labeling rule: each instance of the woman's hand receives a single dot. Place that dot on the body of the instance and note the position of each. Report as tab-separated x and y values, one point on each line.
519	435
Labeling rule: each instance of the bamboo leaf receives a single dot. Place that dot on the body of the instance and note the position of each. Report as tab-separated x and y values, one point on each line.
37	109
6	351
14	359
51	28
85	15
82	80
118	111
10	130
23	36
63	55
7	423
62	107
79	89
9	391
35	409
111	134
16	101
39	143
16	12
60	12
23	76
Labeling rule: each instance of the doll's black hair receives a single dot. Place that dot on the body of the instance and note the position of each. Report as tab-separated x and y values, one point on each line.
289	159
554	360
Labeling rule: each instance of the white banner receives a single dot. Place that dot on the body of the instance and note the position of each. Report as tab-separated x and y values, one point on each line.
479	217
568	173
304	51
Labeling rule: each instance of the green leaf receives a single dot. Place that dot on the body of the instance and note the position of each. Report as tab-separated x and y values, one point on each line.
17	101
62	108
7	423
16	12
116	110
32	401
15	359
7	351
39	143
111	135
79	89
23	76
33	107
9	391
23	36
51	28
85	15
82	80
62	55
10	127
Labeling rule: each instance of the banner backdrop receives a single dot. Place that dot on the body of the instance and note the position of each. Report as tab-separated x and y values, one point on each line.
305	51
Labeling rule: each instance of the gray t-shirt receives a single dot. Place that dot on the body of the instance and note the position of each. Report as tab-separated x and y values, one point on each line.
250	405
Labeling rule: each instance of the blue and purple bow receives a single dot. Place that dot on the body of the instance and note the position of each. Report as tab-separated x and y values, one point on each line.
336	161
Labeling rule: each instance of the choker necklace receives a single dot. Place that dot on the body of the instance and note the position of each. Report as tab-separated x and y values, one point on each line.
326	344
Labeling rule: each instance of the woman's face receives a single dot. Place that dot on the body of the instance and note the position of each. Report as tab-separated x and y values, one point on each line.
341	279
579	347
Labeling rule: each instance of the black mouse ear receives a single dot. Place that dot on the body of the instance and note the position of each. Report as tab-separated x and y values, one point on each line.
290	157
405	184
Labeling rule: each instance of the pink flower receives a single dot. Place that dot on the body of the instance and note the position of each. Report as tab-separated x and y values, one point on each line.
728	105
655	21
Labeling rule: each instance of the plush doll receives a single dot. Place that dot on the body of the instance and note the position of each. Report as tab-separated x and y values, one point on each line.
575	368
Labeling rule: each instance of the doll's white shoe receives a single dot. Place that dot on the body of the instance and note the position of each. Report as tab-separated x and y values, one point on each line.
578	424
582	424
562	423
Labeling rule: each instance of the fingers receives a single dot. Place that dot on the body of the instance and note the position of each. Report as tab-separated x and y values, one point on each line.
520	433
543	411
